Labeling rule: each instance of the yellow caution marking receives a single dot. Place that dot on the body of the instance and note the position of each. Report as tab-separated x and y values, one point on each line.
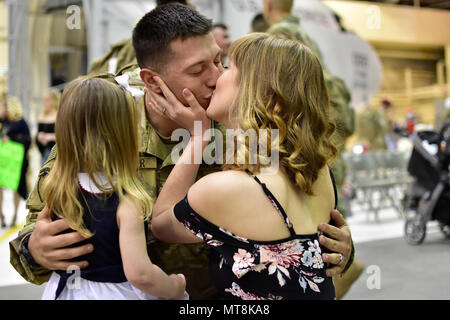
8	233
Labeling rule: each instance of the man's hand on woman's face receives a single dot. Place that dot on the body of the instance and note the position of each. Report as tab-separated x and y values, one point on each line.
339	241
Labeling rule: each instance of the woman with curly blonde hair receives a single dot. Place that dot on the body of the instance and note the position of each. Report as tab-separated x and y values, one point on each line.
262	226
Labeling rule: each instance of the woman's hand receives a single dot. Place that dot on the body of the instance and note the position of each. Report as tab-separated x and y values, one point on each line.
170	107
42	138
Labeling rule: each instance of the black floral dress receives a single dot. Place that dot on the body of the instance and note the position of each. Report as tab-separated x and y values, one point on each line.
290	268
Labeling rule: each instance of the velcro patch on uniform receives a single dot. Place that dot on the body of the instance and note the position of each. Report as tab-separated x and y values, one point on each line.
124	82
147	163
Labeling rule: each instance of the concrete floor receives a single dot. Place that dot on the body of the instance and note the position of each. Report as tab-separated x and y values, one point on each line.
406	272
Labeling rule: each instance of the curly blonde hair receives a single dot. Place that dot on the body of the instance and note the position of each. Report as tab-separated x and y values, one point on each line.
281	86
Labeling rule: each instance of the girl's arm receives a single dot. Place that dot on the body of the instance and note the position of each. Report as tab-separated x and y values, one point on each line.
164	224
138	268
50	137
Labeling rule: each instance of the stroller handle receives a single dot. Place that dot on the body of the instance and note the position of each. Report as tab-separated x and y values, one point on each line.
417	143
444	127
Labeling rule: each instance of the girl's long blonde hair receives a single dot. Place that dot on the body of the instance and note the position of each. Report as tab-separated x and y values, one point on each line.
281	86
96	132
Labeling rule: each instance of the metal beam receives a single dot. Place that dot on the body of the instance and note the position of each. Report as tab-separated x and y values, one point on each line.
440	5
52	5
409	54
18	53
93	10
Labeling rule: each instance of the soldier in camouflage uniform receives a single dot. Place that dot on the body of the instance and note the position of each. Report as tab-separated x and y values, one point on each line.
374	126
155	166
371	127
278	15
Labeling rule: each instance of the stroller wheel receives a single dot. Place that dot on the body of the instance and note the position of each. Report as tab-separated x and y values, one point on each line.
415	231
445	229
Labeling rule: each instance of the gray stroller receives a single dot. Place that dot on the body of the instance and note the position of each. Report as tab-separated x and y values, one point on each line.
429	198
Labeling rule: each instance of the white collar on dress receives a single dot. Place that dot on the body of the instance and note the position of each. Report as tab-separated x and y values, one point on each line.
88	185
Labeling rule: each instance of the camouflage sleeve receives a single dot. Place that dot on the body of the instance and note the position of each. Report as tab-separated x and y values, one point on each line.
101	65
123	51
35	275
286	31
126	55
341	111
282	32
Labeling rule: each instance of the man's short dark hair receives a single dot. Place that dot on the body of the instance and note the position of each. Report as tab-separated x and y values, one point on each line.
158	28
220	25
163	2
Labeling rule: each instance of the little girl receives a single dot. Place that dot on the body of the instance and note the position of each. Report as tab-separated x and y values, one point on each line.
94	186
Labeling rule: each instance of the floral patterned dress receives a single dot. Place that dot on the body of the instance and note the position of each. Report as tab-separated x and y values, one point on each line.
290	268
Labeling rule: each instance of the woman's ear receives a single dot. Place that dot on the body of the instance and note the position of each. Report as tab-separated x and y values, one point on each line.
147	77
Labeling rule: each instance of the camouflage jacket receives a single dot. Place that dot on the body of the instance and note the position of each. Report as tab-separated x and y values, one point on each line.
154	167
371	126
121	54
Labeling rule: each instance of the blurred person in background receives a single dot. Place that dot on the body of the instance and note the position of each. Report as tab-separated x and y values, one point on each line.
45	138
390	137
375	127
278	14
410	122
122	53
15	129
259	24
223	40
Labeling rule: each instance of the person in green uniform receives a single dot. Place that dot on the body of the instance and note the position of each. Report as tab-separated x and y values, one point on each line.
175	43
278	14
122	53
374	126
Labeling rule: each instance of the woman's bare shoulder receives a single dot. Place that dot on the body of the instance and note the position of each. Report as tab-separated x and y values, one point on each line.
217	190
